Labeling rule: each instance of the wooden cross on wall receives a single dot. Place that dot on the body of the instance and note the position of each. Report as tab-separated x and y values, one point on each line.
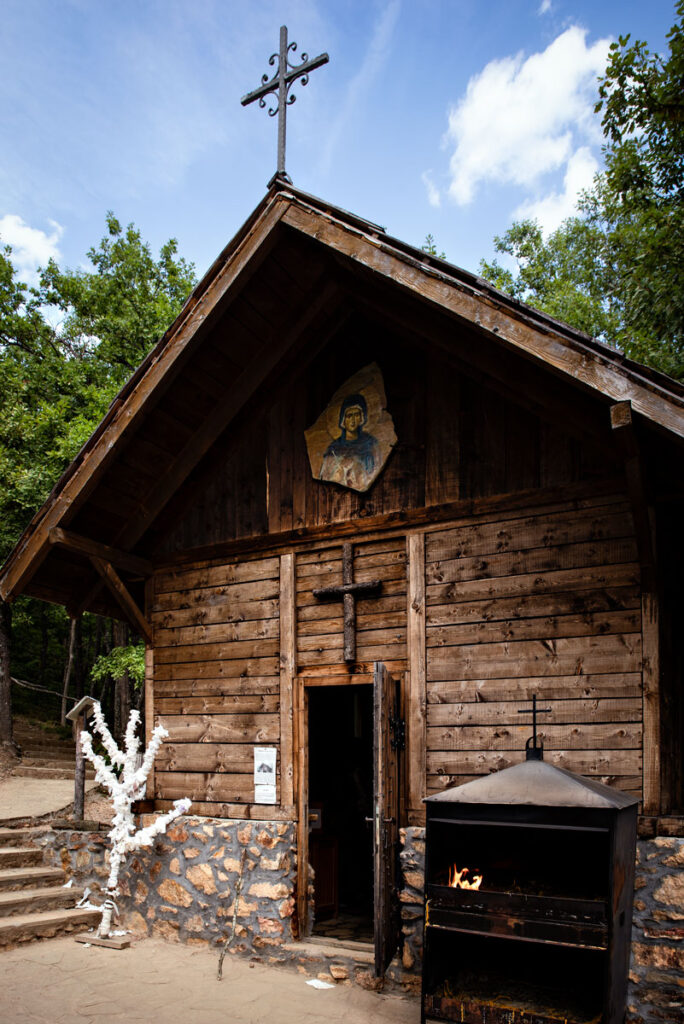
348	591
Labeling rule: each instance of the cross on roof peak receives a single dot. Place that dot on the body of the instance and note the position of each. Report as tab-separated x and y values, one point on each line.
279	85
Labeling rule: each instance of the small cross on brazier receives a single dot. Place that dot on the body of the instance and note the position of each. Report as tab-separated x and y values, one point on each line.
534	752
348	592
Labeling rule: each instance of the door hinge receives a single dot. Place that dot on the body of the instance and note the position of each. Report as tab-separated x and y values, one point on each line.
398	730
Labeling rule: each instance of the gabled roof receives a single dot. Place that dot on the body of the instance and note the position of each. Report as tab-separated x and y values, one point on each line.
351	242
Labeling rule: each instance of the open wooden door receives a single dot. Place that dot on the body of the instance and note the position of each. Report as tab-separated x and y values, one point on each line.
387	742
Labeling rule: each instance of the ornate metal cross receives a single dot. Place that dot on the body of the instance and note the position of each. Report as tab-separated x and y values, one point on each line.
532	751
348	592
280	84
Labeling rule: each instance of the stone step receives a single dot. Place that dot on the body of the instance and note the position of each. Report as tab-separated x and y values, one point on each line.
19	856
42	773
33	739
45	924
47	754
28	901
12	879
62	765
19	836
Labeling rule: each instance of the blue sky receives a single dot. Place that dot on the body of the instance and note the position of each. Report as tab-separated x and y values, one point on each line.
443	116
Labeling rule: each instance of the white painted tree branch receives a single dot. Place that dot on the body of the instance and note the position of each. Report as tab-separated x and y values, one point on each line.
123	791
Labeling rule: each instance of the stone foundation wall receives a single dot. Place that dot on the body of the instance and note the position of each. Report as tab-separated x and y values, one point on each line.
656	991
183	886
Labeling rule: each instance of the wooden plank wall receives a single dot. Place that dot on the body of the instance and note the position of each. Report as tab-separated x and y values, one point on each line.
380	621
216	681
545	603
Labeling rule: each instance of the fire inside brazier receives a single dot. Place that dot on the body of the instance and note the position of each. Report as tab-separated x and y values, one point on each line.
528	899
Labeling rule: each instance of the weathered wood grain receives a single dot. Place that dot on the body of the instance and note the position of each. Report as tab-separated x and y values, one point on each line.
608	736
505	713
206	786
218	670
587	687
571	656
231	758
545	582
601	624
583	762
579	602
219	704
250	728
417	681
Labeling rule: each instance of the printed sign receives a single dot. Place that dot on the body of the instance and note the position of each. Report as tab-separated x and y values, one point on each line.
265	775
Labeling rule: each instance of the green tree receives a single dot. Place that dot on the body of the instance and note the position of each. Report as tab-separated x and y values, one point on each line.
56	383
615	269
122	308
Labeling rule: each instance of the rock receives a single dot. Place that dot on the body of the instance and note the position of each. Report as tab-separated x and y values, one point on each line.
671	892
177	833
195	924
339	972
190	852
244	834
269	926
287	907
141	891
155	869
167	929
269	890
202	877
266	839
174	866
173	892
135	923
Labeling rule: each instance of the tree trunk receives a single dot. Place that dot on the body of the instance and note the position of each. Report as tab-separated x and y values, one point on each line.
78	659
67	668
122	688
5	677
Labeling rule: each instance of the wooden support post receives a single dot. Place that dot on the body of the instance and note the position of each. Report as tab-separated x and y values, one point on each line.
302	762
417	696
651	704
149	685
79	771
85	546
624	433
288	656
124	599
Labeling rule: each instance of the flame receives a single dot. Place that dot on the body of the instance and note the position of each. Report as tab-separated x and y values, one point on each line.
457	881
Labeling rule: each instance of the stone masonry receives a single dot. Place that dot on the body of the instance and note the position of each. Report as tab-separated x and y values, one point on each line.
184	886
656	991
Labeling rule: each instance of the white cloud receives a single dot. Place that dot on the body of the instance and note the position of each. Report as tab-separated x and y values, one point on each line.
554	208
523	118
544	7
31	247
433	196
373	61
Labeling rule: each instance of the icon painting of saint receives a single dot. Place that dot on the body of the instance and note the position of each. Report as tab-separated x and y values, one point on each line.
351	440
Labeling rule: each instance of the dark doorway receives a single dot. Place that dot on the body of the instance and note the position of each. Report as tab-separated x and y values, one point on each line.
340	801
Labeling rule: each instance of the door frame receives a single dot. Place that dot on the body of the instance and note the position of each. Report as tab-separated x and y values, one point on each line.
302	684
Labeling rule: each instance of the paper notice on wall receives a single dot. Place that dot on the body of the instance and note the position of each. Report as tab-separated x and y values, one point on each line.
265	775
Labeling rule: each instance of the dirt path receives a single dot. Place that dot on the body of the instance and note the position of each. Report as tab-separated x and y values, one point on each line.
60	982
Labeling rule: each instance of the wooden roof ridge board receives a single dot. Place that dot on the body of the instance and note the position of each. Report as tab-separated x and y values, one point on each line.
458	292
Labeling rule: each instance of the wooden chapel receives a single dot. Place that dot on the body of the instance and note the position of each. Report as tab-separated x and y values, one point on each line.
522	536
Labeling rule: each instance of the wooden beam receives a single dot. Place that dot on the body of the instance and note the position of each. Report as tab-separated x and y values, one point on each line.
516	329
124	599
85	546
628	446
124	416
149	685
651	708
417	693
288	670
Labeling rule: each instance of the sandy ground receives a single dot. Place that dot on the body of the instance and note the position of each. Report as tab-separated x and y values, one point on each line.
23	798
60	980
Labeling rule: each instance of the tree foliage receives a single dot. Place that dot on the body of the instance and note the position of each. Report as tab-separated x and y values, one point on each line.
614	270
66	348
119	662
